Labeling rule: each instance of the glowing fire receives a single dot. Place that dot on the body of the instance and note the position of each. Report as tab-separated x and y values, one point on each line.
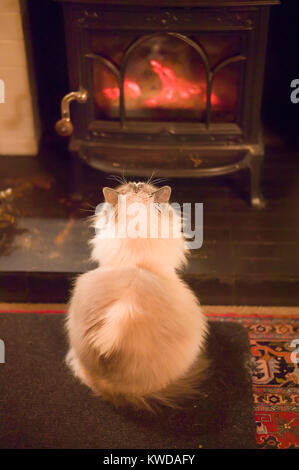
173	88
131	88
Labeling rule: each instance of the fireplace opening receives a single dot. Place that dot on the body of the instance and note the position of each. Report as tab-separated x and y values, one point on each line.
166	78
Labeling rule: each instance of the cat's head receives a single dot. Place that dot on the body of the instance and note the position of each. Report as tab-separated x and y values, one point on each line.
137	222
139	210
139	192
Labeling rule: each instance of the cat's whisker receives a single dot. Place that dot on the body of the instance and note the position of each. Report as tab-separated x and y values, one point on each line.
159	180
117	178
123	177
150	178
86	210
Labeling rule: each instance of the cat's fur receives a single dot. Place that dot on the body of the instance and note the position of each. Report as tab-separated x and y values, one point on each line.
136	331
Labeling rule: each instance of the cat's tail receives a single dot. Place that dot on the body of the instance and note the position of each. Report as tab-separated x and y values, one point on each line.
184	389
175	395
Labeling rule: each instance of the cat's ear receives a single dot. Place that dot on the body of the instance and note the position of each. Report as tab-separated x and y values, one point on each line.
110	195
162	194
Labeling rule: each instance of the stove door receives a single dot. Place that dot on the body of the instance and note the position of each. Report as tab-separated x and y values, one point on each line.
167	77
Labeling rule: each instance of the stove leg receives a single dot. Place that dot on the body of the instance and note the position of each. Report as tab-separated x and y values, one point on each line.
255	167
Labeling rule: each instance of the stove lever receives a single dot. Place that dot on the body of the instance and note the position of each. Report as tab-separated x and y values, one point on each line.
65	126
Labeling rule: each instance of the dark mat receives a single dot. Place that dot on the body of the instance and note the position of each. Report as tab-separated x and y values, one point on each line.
43	406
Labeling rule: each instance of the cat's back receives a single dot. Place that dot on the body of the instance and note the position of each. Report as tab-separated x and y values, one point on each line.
136	292
104	286
101	287
151	323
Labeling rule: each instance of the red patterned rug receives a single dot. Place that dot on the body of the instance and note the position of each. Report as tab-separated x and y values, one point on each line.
274	344
275	377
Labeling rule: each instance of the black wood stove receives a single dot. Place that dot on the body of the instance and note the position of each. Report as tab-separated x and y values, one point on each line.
172	86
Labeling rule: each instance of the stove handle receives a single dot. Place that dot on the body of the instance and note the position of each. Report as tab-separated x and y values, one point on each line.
65	126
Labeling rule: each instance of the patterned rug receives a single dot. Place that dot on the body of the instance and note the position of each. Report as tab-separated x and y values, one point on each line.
274	341
275	376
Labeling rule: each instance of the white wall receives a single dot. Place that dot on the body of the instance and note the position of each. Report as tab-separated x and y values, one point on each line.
19	129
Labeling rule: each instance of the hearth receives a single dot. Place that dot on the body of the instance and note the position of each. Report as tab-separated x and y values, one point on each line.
175	89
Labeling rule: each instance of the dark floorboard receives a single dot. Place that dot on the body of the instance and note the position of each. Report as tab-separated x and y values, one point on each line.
248	256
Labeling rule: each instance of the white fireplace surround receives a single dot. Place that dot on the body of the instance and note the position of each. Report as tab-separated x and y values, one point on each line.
19	124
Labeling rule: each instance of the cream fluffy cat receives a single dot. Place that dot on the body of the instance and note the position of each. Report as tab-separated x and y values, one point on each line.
136	331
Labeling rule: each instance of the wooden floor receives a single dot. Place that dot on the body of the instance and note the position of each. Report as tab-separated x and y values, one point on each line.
248	257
